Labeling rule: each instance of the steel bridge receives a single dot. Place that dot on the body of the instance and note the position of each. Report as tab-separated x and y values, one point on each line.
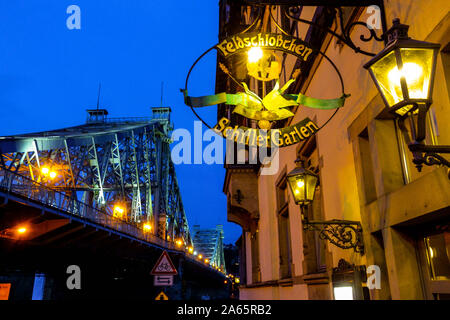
113	171
210	243
112	174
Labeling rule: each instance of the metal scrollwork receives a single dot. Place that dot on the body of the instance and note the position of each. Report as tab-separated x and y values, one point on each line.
431	159
342	233
344	35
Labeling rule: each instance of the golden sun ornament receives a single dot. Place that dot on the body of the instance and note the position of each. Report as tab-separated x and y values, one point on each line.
264	124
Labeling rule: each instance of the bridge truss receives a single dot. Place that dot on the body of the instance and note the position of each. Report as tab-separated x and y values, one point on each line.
115	171
210	243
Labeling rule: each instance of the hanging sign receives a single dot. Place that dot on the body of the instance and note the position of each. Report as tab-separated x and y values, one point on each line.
284	137
258	56
272	41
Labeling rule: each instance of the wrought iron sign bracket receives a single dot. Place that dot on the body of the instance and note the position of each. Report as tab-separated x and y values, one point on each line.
342	33
344	234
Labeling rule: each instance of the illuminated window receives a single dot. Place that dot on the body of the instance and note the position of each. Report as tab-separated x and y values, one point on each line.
438	253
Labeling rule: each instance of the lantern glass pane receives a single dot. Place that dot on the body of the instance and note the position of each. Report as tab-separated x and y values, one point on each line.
391	90
417	67
311	187
298	186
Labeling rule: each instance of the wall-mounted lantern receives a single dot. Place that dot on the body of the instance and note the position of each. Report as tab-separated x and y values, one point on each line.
404	75
302	183
342	233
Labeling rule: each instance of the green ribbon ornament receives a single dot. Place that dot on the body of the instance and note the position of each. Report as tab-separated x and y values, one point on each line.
272	107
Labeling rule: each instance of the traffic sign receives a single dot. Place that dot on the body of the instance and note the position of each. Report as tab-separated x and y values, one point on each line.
163	280
162	296
164	266
4	290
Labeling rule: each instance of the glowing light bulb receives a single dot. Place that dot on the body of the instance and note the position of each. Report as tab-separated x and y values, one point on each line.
45	170
52	174
254	54
147	227
300	183
22	230
411	71
118	210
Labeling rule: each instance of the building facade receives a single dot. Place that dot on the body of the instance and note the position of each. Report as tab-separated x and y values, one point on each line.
365	170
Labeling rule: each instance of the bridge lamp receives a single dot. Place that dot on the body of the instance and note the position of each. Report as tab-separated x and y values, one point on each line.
179	242
118	211
404	70
206	261
191	249
200	256
45	171
21	230
237	280
52	174
195	253
147	227
302	183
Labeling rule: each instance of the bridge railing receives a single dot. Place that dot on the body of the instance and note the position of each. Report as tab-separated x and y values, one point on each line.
14	183
128	119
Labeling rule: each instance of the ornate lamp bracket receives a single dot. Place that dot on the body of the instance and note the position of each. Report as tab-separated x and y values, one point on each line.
422	154
342	233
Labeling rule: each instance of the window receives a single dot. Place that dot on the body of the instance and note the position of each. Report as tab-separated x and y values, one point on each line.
284	237
438	254
434	253
370	193
445	55
254	242
410	173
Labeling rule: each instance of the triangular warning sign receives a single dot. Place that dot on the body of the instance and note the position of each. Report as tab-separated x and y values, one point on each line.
162	296
164	265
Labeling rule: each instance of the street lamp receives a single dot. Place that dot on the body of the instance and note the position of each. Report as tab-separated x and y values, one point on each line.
404	73
343	233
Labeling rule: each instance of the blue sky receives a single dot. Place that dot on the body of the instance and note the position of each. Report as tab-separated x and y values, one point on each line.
49	74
